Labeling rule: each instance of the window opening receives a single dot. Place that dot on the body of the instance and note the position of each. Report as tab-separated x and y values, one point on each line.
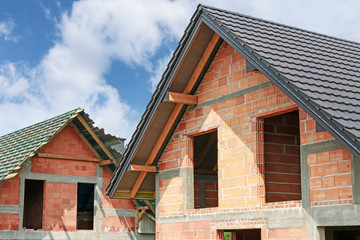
85	206
341	233
205	170
248	234
33	204
282	157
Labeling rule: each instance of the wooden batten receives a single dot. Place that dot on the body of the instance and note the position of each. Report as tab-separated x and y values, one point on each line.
142	168
67	157
190	85
182	98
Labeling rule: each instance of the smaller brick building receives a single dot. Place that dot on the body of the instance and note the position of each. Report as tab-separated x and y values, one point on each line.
53	178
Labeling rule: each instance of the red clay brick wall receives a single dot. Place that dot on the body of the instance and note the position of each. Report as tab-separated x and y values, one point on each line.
67	142
241	162
282	157
330	177
9	192
113	203
284	233
170	196
329	172
63	167
60	206
240	174
9	221
118	224
186	230
211	195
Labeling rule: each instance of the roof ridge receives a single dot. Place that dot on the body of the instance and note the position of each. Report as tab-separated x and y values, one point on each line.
75	111
204	7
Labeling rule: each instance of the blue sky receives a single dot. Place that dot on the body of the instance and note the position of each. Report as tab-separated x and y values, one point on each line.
107	56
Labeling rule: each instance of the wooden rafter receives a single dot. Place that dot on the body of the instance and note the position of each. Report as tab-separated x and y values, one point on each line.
67	157
182	98
156	148
193	79
142	168
86	141
151	207
139	214
96	138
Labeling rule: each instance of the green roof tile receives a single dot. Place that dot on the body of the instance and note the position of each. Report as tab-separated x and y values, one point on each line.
18	146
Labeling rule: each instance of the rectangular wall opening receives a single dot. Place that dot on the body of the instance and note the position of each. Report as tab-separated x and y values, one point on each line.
85	206
205	170
342	233
33	204
282	157
248	234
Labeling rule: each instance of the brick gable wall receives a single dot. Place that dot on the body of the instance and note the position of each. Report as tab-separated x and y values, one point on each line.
229	99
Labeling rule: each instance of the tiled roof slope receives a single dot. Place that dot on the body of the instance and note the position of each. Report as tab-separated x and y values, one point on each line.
324	70
18	146
22	144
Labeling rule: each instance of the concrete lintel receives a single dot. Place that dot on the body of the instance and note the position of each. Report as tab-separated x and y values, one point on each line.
322	146
63	178
109	212
284	218
172	173
342	215
10	209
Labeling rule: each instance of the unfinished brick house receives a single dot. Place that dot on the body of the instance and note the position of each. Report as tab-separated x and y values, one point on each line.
252	132
53	177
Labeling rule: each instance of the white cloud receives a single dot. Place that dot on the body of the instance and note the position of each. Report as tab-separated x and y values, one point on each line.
6	28
71	74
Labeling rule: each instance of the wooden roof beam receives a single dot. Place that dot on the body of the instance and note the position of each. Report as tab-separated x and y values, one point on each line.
142	168
187	99
96	138
193	79
67	157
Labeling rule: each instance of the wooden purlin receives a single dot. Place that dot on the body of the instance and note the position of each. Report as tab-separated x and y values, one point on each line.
96	138
142	168
182	98
67	157
193	79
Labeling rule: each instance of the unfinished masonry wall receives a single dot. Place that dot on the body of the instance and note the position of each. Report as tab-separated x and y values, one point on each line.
113	218
230	100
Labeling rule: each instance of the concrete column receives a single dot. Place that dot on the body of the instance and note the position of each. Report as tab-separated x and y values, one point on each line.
355	174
